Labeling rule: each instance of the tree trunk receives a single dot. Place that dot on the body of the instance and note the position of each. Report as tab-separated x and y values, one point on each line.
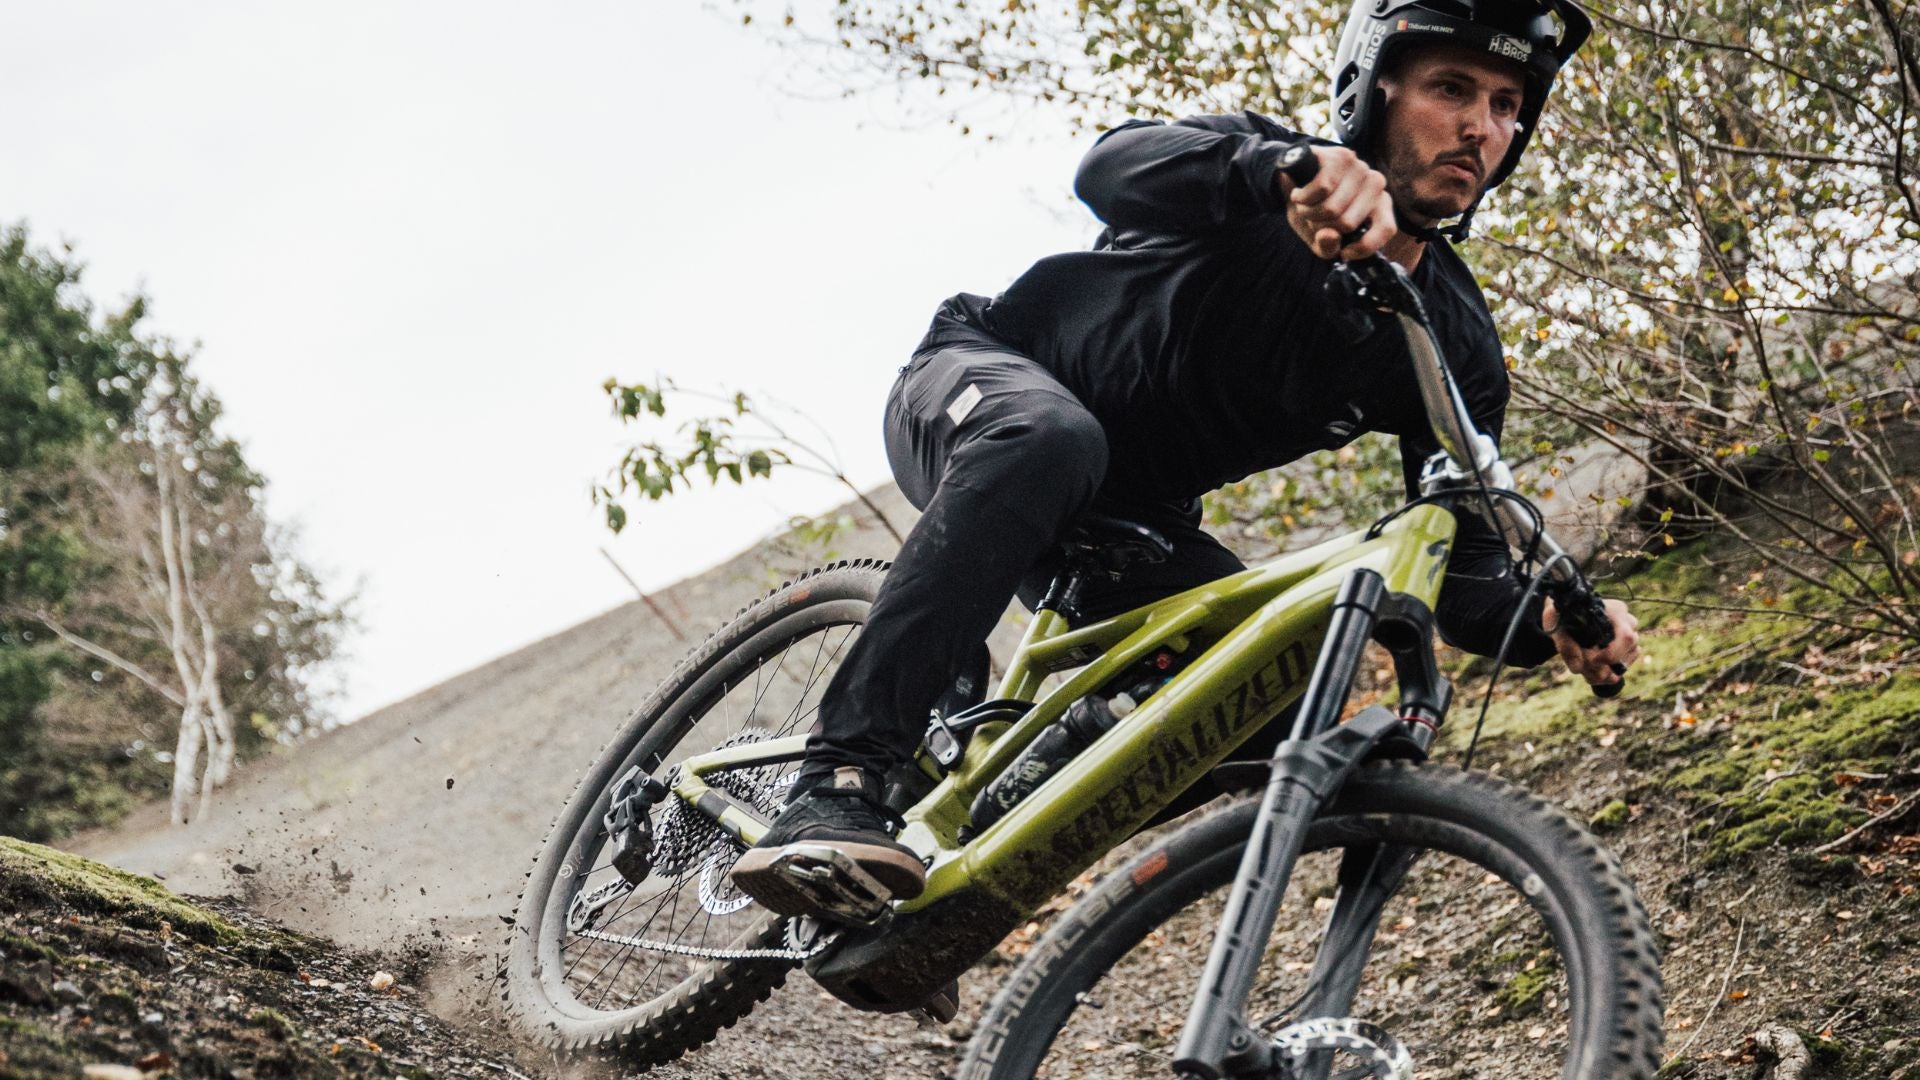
186	758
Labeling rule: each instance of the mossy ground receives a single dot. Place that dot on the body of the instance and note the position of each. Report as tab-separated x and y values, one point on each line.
1746	741
98	966
31	872
1775	736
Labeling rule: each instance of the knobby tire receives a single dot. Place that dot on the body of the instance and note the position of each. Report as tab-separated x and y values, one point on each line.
690	1011
1597	926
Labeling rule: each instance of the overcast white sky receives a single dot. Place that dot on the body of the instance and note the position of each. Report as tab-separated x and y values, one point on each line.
412	239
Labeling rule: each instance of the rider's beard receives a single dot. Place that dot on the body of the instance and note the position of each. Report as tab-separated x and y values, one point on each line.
1437	200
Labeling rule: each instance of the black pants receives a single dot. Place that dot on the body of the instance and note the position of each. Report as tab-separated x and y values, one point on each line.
999	457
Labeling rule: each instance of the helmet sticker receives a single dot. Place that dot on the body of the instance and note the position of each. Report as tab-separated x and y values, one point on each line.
1431	28
1512	48
1370	51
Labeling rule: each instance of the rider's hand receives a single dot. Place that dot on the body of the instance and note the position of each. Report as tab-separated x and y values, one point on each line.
1596	665
1347	194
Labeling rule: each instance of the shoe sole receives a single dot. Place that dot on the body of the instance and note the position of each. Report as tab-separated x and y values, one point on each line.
844	883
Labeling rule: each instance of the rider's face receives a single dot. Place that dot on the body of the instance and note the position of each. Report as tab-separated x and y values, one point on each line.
1450	118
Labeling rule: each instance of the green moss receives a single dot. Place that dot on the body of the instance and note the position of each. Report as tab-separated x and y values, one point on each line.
29	871
1408	967
1802	743
1522	994
37	1053
14	947
1610	818
1719	711
1824	1052
274	1023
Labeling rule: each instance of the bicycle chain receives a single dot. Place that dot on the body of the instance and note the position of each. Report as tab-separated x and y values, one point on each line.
710	954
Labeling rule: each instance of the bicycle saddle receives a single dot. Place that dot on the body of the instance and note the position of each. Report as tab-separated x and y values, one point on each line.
1112	543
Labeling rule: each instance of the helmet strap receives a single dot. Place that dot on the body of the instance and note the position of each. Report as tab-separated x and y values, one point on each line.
1457	231
1427	234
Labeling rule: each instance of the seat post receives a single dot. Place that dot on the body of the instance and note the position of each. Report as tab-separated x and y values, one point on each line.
1063	592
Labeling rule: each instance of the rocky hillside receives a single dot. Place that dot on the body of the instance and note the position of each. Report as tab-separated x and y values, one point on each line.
1759	781
108	974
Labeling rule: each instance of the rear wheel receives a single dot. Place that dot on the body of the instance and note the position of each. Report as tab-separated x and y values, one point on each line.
652	971
1515	947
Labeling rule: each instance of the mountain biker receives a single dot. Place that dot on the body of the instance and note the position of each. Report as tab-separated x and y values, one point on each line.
1191	347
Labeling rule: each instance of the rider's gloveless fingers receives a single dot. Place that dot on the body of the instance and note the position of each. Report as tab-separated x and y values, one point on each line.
1625	646
1334	161
1381	228
1338	214
1350	203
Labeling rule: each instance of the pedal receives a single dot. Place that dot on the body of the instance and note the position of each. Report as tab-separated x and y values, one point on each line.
813	879
942	1007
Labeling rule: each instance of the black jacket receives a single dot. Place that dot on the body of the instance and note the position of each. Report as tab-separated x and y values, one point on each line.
1198	333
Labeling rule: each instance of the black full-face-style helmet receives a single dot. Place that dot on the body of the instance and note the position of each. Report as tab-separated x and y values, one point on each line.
1537	35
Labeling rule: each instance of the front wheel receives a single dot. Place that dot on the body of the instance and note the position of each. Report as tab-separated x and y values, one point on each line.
1515	947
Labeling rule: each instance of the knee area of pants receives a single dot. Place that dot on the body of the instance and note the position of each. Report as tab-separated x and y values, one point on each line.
1064	437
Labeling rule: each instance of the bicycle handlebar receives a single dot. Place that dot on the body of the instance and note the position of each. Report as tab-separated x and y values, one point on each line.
1374	282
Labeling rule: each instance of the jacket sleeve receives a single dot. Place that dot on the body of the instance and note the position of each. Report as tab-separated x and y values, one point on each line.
1190	176
1481	590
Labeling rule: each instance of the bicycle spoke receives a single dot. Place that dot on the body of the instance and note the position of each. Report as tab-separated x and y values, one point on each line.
675	911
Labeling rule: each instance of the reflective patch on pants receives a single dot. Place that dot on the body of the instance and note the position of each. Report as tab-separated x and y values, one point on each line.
963	404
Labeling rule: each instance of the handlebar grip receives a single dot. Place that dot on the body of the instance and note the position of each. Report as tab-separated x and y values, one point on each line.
1300	164
1584	615
1612	689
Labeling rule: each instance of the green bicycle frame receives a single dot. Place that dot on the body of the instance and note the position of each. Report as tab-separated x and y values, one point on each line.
1257	633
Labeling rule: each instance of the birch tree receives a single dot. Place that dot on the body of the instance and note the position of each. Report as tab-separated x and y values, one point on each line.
155	627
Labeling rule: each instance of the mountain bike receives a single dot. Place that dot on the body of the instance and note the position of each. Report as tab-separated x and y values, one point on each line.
1446	905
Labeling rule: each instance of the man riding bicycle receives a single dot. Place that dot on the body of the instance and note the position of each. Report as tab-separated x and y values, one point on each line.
1191	347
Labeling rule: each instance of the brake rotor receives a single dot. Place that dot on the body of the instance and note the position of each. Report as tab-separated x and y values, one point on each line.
1382	1056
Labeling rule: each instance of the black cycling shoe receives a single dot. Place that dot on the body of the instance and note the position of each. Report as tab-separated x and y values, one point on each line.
831	854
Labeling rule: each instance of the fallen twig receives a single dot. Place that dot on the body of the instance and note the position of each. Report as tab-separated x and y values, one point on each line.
1900	808
1739	938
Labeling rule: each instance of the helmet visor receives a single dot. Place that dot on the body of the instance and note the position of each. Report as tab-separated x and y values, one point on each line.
1536	21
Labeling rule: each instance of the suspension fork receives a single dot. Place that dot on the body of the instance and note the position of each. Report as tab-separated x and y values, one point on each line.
1369	876
1307	768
